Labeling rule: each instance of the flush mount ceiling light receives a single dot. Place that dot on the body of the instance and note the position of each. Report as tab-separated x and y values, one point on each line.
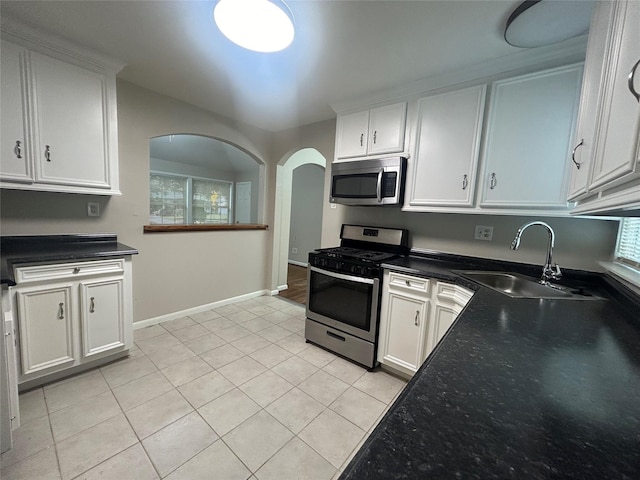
258	25
536	23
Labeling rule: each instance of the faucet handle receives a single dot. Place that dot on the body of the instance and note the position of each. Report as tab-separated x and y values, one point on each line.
556	274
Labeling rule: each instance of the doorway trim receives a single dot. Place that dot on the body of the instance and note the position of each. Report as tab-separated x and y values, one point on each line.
282	217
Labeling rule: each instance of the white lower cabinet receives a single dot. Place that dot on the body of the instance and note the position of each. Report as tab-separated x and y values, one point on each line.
415	313
46	332
71	314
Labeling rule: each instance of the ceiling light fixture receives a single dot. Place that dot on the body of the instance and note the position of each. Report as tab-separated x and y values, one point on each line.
258	25
536	23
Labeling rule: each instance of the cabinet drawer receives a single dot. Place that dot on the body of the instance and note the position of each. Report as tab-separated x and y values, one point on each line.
408	283
38	273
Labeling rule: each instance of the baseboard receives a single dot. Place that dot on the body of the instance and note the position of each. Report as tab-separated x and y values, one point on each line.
300	264
202	308
282	287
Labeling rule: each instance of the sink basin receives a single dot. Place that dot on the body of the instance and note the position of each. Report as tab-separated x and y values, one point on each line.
521	286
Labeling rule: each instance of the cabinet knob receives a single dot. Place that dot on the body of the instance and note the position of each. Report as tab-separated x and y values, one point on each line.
18	149
47	153
573	153
632	88
408	283
76	270
417	319
465	182
493	182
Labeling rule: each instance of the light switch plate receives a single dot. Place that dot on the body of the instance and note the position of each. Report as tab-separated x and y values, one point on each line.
93	209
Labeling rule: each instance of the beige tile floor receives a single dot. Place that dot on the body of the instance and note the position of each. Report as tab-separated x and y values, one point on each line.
231	393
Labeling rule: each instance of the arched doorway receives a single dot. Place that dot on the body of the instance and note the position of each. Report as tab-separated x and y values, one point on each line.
282	220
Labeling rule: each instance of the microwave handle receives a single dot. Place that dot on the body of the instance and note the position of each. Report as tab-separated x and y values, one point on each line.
379	185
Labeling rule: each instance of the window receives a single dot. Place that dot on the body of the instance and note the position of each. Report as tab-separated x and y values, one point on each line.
177	199
198	183
628	248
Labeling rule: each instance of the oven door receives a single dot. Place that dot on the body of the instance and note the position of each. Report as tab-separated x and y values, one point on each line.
344	302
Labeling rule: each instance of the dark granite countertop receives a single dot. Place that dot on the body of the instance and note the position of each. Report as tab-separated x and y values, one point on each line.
518	388
34	249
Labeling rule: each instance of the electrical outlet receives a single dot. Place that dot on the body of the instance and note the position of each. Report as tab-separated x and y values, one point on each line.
294	250
484	232
93	209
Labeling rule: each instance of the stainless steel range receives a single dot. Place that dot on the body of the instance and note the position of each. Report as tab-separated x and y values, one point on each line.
343	290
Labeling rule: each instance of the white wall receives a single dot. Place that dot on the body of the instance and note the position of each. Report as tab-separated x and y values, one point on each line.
307	193
174	271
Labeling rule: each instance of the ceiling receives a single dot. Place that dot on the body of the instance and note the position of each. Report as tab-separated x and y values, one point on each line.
342	50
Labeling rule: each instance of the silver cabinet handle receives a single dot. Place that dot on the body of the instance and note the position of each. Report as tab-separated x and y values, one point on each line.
573	153
361	139
61	311
632	74
417	319
92	305
375	136
47	153
18	149
465	182
493	182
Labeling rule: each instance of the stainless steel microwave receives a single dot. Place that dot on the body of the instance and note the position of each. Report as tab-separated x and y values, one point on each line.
369	182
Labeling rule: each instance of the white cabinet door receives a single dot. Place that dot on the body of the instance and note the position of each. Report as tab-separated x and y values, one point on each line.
404	314
70	102
529	139
616	151
386	129
371	132
352	135
14	163
102	316
45	317
448	134
404	339
585	138
448	301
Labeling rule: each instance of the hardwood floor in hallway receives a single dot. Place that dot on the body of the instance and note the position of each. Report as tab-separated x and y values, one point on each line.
297	282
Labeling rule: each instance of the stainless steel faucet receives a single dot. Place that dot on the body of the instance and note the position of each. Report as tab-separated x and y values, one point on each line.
549	271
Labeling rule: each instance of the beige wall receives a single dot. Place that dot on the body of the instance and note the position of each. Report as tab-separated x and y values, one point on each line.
174	271
580	243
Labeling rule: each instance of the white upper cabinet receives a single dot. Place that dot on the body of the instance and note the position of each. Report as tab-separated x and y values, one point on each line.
377	131
61	132
448	131
529	139
71	144
611	181
13	133
585	137
620	118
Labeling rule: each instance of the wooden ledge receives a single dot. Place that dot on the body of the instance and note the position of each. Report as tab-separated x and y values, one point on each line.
203	227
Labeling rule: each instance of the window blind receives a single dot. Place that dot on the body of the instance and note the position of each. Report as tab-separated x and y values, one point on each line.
628	249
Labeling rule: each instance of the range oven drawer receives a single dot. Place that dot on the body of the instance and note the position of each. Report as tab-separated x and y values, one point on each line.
355	348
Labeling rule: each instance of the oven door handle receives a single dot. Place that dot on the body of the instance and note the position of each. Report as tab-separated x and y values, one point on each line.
379	185
341	276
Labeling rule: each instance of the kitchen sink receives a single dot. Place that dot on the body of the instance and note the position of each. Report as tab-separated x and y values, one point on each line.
520	286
